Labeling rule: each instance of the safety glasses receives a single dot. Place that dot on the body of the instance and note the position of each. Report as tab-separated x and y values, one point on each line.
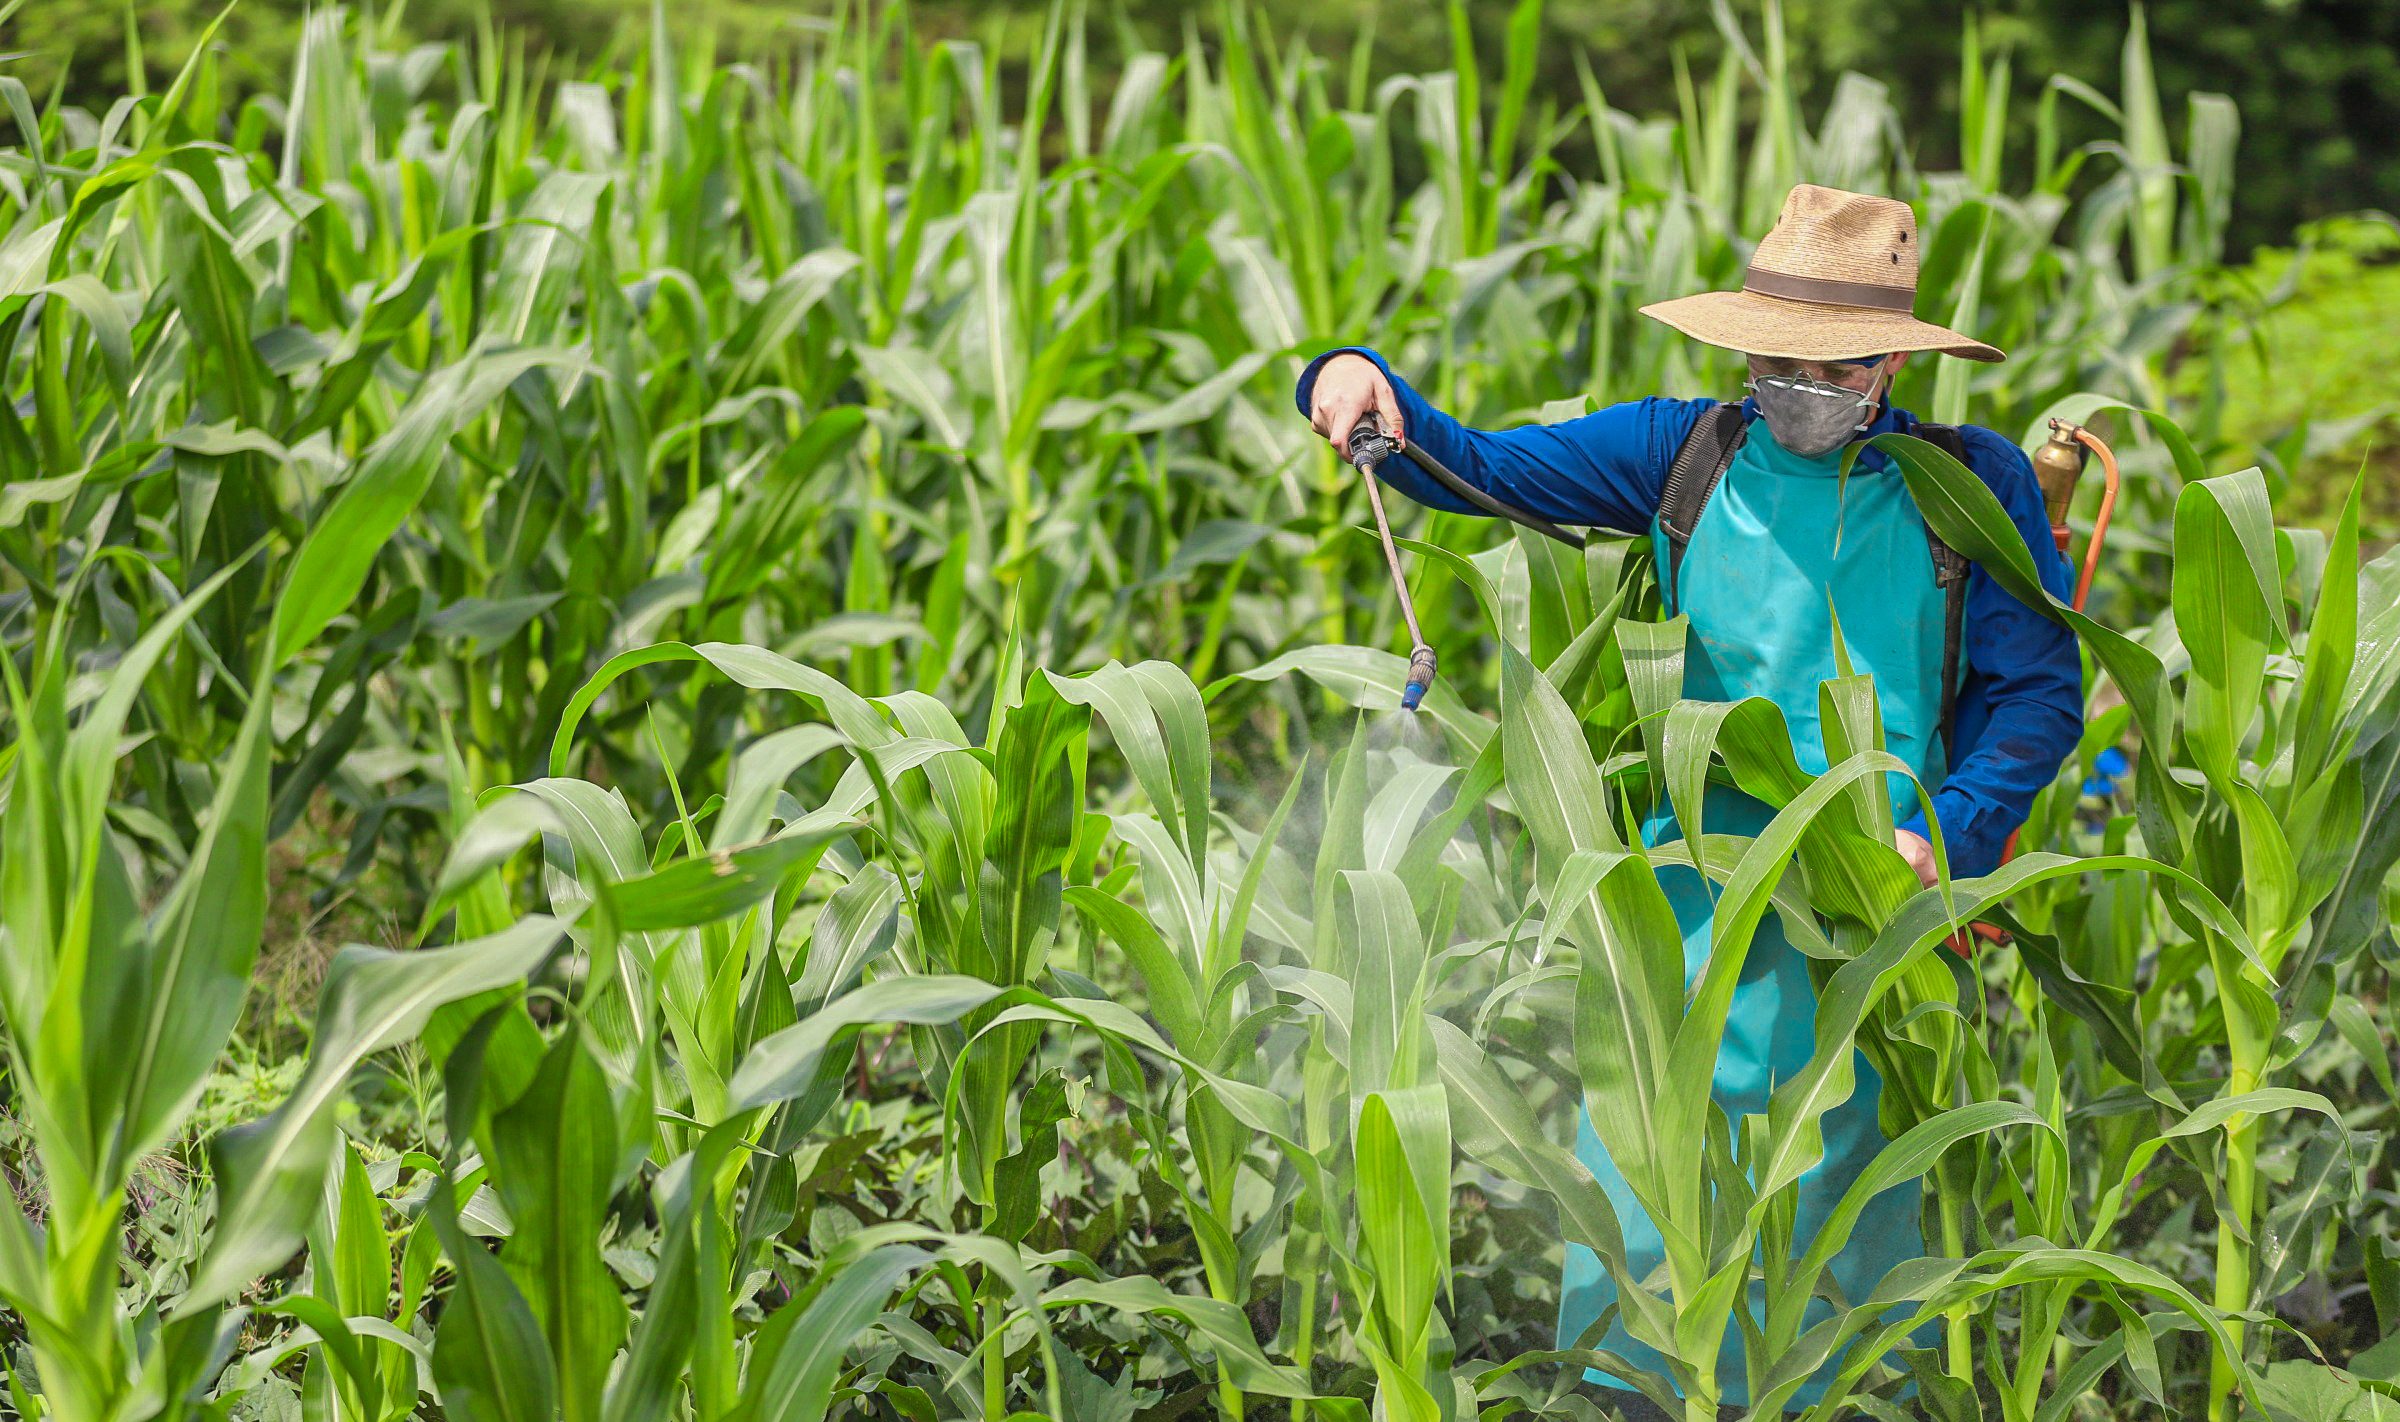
1797	369
1803	385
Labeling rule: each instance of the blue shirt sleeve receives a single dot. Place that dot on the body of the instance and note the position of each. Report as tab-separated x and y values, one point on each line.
1604	469
2020	711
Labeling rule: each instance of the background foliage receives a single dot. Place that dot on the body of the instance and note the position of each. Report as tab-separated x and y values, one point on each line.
2314	79
2311	79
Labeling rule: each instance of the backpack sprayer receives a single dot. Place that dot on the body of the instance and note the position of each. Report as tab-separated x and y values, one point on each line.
2058	467
1369	447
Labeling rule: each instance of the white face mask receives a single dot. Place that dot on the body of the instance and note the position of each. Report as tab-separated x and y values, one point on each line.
1813	417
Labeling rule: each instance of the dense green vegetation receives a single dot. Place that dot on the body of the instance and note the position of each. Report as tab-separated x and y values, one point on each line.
787	609
2315	80
2309	386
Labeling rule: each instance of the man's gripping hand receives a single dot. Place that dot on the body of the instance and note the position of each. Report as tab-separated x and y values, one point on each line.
1918	851
1347	387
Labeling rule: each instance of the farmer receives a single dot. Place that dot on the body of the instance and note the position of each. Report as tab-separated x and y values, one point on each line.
1759	560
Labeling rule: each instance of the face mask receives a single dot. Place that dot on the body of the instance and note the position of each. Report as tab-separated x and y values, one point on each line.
1812	417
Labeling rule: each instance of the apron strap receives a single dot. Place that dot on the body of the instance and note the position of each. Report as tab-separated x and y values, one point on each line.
1706	453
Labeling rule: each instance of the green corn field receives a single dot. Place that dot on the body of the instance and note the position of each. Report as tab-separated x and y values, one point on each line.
779	616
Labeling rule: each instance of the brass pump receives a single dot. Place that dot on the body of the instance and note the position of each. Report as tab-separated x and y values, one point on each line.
2058	465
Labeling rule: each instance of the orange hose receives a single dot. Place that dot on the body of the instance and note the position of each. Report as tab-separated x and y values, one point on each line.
2108	505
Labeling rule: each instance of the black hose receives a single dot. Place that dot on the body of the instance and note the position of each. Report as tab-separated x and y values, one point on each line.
1497	508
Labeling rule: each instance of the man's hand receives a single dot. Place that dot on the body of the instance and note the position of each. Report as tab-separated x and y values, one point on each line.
1348	386
1918	851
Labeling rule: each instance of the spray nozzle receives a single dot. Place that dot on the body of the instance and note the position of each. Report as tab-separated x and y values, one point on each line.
1420	677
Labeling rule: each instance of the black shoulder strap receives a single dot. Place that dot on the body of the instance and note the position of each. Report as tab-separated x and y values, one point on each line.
1702	461
1950	569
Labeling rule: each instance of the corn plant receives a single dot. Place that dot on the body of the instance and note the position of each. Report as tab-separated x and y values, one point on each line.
90	976
115	1016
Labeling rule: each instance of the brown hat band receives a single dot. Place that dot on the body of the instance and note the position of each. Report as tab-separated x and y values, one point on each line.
1835	293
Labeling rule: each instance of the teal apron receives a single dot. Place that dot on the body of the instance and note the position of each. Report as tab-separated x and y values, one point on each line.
1754	583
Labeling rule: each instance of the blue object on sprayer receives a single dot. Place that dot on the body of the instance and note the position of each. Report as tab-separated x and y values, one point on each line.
1420	676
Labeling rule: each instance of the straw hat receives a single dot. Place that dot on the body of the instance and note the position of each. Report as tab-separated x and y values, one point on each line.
1836	278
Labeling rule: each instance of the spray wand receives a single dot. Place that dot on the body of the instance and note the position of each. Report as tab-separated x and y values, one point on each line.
1369	446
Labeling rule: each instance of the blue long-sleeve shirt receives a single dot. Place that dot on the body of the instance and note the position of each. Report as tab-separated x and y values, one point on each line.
2020	709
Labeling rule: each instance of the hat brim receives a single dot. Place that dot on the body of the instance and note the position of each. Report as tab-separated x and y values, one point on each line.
1807	330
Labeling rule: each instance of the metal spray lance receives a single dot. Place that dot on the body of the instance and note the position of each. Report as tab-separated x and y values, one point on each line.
1370	446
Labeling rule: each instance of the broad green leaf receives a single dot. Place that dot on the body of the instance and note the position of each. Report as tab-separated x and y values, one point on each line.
553	1153
1165	977
757	779
1969	518
1898	1162
856	926
1653	656
1388	1049
1040	792
794	1382
2223	612
718	884
1403	1186
488	1354
754	667
1368	678
1224	1327
782	1066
